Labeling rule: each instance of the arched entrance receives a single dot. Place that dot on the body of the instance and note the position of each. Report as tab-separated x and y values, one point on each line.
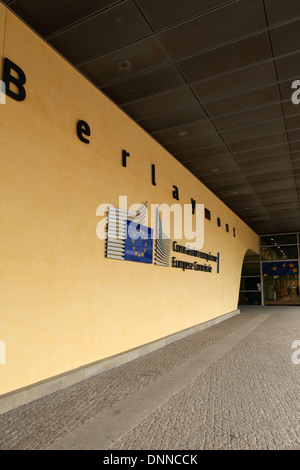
272	276
251	286
280	269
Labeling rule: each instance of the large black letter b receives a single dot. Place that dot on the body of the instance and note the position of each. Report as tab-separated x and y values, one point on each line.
19	81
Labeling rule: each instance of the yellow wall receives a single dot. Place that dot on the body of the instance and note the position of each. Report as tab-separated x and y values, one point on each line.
63	304
2	29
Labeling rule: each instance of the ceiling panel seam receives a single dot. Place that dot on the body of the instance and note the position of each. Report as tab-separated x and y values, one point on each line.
240	151
82	20
187	56
283	113
221	130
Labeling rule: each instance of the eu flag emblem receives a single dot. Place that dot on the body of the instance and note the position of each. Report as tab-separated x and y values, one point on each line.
138	243
280	268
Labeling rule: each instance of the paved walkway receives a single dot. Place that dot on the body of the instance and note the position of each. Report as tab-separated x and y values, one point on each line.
232	386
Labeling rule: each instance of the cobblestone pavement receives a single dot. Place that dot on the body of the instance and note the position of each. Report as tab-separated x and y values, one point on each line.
249	399
38	424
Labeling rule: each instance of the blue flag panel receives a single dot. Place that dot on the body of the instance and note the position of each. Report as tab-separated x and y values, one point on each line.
280	268
138	243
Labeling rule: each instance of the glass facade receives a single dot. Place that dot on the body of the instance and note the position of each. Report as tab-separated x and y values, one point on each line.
250	288
281	252
273	240
272	277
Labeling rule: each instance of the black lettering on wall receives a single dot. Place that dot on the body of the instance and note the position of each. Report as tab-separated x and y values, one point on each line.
19	81
193	205
153	175
176	193
124	157
83	129
207	214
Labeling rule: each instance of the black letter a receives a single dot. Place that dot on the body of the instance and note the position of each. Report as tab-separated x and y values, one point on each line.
18	82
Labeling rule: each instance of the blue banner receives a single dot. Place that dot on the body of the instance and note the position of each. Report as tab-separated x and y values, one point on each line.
280	268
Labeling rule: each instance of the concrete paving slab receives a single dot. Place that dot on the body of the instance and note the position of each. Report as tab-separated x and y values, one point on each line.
112	424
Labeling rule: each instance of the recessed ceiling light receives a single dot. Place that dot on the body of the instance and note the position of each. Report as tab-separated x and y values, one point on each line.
183	133
123	64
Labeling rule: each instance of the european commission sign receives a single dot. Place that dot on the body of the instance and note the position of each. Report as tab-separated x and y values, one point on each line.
129	239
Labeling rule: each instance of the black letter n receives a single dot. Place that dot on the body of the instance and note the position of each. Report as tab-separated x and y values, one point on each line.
19	81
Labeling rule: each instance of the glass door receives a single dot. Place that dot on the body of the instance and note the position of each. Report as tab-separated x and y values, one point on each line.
281	290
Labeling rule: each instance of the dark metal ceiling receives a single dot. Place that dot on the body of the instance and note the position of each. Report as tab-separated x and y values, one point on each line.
210	80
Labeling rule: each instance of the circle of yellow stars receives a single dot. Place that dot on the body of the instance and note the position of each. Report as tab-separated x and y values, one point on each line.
133	241
291	265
